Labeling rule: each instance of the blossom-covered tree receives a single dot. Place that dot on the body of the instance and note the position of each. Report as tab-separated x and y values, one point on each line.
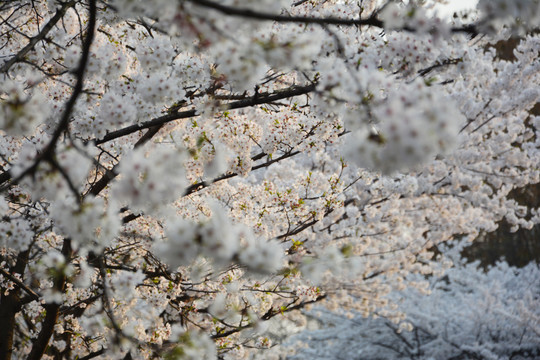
468	314
177	173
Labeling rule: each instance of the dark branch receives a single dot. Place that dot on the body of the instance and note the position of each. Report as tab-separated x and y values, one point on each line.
370	21
42	34
248	13
79	72
259	100
199	186
52	310
33	295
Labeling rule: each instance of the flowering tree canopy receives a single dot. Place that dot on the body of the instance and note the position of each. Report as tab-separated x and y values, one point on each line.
468	314
175	174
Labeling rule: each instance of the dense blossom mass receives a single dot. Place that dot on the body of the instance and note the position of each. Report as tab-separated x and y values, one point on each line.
181	178
467	314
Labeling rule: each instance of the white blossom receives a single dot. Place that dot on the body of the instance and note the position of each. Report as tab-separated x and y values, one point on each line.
184	179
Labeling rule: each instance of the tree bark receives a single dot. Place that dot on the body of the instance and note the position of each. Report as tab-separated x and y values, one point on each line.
10	305
47	328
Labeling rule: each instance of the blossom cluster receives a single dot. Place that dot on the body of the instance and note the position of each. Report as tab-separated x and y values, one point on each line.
217	239
518	15
468	312
21	111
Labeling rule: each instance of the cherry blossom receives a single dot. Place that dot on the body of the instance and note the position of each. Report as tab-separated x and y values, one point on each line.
182	179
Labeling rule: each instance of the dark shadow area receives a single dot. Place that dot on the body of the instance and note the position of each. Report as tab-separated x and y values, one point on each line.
517	248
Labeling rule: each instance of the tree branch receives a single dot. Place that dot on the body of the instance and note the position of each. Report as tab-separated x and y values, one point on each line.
79	72
10	305
289	92
199	186
40	344
248	13
20	284
270	314
52	310
370	21
40	36
154	125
